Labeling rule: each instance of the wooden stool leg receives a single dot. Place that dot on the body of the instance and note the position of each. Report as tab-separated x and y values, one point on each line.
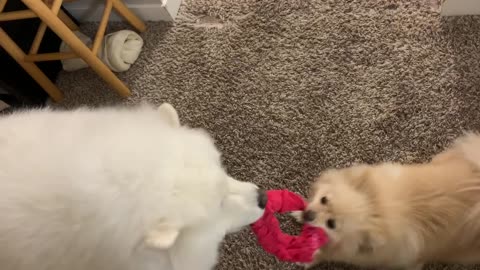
47	16
16	53
67	20
2	4
128	15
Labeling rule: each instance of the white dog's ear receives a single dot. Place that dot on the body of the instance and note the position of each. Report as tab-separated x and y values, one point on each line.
169	114
163	236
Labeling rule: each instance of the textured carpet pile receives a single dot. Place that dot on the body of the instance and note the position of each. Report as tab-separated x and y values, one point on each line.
289	88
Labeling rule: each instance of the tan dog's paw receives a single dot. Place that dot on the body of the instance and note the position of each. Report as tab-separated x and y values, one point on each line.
306	266
303	265
316	260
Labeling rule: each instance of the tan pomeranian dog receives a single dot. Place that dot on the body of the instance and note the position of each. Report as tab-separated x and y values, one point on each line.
401	216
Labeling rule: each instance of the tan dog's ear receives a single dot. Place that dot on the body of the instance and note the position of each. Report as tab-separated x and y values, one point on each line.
358	178
169	114
321	179
163	236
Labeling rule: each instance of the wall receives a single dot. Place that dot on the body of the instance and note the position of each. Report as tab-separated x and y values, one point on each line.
460	7
148	10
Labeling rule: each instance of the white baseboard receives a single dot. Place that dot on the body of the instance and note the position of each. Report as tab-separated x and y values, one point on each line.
165	10
460	7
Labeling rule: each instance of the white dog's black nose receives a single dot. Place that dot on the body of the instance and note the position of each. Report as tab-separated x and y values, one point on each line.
262	198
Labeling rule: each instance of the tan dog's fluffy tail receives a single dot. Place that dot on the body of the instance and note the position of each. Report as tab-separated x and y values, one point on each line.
469	147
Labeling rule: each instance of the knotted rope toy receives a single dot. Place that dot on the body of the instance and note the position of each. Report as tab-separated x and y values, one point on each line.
298	249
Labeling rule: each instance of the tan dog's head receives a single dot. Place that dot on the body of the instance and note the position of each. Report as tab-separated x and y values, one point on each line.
343	203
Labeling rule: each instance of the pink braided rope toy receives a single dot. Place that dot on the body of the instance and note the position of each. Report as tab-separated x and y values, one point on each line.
284	246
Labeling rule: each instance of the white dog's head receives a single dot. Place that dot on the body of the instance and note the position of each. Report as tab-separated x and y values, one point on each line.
242	205
209	202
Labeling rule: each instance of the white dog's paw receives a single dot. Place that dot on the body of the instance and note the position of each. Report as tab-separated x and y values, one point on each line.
162	236
298	216
169	114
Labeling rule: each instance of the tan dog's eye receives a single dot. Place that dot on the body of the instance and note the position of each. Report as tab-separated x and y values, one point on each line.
324	200
331	224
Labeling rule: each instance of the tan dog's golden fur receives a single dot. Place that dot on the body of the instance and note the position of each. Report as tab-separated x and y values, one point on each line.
402	216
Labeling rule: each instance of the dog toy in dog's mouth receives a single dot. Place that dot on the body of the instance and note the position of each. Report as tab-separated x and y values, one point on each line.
286	247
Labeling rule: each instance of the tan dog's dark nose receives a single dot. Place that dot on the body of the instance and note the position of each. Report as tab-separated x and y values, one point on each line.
262	198
308	216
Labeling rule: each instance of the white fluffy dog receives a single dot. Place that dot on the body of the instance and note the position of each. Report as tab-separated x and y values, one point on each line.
115	189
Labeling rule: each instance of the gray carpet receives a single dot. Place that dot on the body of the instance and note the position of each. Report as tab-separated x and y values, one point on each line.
289	88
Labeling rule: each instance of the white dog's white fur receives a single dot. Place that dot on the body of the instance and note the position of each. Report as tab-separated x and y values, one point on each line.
114	189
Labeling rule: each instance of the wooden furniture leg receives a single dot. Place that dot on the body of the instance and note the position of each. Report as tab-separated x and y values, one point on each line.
57	26
128	15
55	7
17	15
67	20
97	42
2	4
14	51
